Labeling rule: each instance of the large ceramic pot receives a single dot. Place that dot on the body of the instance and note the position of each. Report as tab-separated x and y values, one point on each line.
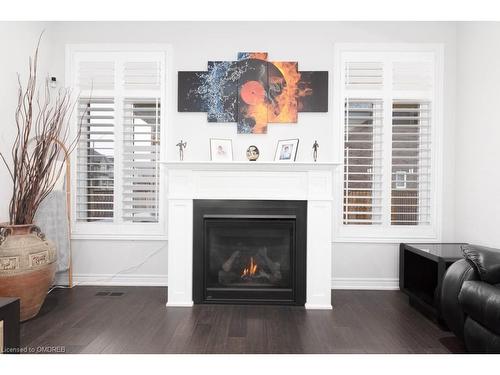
27	266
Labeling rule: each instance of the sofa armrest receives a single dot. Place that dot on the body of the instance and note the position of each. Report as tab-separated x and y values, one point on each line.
451	310
485	260
481	302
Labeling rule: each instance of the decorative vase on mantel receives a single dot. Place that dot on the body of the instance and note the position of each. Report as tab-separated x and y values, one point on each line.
27	266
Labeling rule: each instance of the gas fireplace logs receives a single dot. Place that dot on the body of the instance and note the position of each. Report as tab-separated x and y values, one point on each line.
258	268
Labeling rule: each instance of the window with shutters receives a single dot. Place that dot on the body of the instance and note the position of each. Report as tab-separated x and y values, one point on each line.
410	163
141	151
95	164
362	161
120	115
388	102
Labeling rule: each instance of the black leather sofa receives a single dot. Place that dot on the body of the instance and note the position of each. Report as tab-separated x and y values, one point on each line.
470	299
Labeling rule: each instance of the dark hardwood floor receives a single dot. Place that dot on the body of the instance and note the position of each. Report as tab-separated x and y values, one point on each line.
78	321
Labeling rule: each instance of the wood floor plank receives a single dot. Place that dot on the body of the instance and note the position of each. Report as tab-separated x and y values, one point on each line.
138	322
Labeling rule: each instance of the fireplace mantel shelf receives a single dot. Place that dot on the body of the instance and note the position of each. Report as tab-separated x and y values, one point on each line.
248	165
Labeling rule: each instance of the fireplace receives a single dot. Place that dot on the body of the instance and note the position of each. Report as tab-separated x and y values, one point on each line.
249	251
199	192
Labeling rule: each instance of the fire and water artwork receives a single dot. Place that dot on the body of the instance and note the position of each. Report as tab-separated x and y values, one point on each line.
253	92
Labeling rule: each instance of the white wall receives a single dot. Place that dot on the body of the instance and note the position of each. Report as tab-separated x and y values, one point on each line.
477	198
311	44
17	42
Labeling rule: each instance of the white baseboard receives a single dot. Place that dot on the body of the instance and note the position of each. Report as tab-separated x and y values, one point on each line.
365	283
175	304
311	306
161	280
110	280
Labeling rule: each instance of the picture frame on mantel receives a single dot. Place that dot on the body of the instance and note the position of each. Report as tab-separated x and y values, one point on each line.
286	150
221	150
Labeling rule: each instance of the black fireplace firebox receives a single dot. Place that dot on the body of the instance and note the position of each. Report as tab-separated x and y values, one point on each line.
249	251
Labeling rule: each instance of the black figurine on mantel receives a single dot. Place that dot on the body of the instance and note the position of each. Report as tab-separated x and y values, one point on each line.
182	146
315	150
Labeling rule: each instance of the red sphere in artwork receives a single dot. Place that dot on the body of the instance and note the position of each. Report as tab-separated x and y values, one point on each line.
252	92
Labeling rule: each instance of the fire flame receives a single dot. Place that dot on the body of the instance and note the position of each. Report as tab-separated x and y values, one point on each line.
250	270
282	108
259	113
285	109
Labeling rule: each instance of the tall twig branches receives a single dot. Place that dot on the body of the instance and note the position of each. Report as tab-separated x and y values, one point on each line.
42	122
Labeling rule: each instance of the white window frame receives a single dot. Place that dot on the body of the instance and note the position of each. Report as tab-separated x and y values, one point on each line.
122	230
387	233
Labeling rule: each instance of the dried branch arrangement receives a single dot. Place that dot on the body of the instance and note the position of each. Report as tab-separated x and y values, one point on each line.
43	132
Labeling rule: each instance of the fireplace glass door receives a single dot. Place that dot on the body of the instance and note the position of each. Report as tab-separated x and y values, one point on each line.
246	253
249	259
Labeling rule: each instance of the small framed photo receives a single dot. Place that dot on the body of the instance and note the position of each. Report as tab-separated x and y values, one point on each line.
286	150
221	149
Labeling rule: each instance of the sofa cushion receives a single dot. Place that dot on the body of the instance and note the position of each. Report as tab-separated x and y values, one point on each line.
481	302
485	260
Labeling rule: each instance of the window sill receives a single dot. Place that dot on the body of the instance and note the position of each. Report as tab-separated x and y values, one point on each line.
385	240
118	237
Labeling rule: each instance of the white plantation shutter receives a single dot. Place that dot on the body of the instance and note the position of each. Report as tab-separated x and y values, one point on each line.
142	75
411	157
364	75
95	160
96	75
412	75
120	107
95	178
362	161
141	151
388	140
141	141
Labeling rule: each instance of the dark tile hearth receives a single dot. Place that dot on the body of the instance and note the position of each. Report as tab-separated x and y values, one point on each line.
78	321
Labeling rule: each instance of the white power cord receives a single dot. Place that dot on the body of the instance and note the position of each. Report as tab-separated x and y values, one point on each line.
109	278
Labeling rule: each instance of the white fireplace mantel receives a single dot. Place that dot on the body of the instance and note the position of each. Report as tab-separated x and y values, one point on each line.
255	165
187	181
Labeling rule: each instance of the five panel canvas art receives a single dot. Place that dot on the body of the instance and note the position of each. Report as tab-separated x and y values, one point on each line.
252	92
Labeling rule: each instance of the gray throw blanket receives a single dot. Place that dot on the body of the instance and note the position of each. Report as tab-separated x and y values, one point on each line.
52	218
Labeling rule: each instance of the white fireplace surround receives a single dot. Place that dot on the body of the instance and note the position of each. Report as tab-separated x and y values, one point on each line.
186	181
